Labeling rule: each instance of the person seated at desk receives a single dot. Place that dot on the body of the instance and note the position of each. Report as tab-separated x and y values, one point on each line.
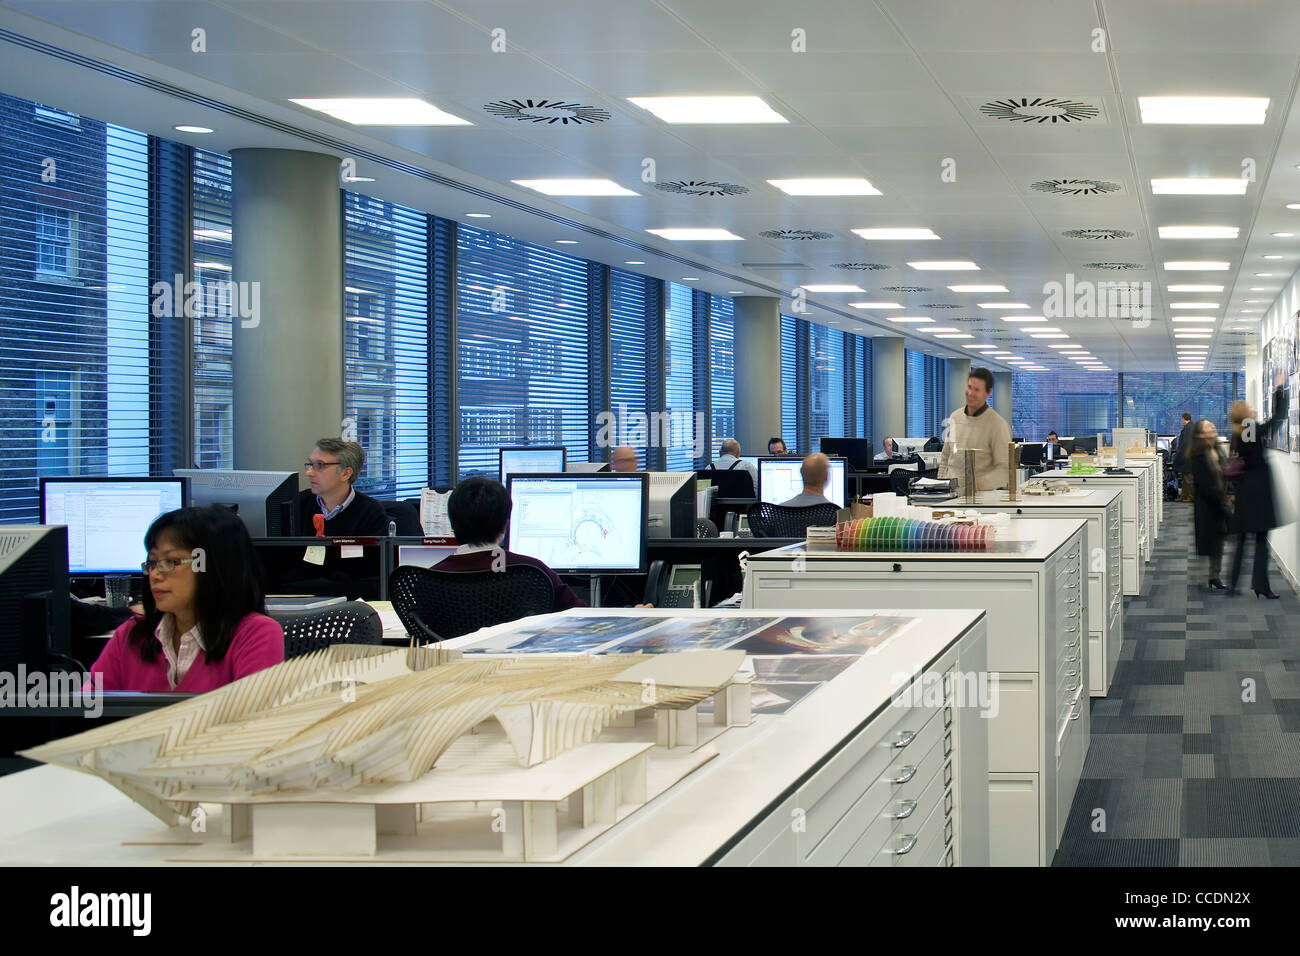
776	446
814	471
624	459
979	428
204	622
332	467
729	460
1052	450
479	511
889	450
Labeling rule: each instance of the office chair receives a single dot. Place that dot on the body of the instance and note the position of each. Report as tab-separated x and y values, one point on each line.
767	520
731	483
704	528
900	479
405	516
349	623
437	605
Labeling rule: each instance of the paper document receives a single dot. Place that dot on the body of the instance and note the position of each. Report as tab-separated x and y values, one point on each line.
433	513
931	483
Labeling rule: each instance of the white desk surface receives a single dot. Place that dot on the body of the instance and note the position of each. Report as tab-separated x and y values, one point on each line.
52	815
1075	498
1046	535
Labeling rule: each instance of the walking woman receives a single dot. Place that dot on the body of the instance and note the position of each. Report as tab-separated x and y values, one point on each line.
1255	511
1210	508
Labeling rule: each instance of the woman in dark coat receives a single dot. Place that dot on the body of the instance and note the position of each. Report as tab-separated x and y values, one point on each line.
1210	509
1256	511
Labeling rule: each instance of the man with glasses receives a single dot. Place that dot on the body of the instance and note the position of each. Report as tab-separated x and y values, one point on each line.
331	469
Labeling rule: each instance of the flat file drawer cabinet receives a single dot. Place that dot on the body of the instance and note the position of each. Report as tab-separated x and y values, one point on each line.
1132	522
1100	509
1038	628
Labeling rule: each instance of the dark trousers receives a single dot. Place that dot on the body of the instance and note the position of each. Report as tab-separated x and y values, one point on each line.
1259	576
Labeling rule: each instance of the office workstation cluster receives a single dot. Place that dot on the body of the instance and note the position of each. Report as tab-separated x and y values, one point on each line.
819	477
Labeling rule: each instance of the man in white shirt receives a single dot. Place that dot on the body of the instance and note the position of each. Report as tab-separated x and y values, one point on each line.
890	450
729	460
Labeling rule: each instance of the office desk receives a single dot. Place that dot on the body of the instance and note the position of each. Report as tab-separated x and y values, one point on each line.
1154	469
1134	504
718	558
829	761
1037	618
1100	510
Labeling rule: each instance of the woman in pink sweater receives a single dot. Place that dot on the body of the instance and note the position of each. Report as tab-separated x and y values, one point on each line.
204	622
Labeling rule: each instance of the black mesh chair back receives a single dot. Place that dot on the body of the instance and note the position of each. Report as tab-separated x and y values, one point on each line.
405	516
437	605
348	623
704	528
767	520
900	479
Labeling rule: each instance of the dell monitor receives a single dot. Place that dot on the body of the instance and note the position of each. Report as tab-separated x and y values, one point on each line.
530	459
779	480
671	512
581	524
857	451
266	501
107	518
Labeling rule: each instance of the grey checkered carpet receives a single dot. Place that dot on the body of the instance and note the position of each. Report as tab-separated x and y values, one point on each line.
1195	753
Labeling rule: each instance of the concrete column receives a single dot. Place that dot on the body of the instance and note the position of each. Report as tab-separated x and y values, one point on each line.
758	373
288	359
1001	399
958	372
888	390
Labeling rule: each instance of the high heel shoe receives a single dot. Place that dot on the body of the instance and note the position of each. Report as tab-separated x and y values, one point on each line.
1267	594
1217	585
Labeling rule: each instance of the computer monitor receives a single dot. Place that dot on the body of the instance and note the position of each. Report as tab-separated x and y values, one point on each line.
422	555
107	518
530	459
1162	444
581	524
1085	446
266	501
34	603
1032	453
779	480
672	504
907	446
856	451
586	467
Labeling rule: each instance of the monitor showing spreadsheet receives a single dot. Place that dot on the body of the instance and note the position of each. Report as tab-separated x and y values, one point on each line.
779	480
107	518
581	524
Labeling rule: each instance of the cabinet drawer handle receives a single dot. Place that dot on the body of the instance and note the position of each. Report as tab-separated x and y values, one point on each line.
905	845
908	773
1075	715
1071	660
1073	600
904	809
947	803
904	738
1071	673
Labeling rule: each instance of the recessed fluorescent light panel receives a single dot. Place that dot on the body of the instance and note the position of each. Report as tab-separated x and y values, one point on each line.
1024	318
901	234
1197	232
995	306
978	288
1193	305
825	187
193	129
1232	186
574	187
386	111
1196	265
694	235
909	318
955	335
1204	110
1194	288
945	265
1049	335
709	109
833	288
1196	319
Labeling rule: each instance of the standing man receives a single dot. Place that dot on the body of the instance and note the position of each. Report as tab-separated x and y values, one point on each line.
979	428
1182	445
332	467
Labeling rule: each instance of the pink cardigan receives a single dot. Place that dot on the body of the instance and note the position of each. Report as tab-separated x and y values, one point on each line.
258	643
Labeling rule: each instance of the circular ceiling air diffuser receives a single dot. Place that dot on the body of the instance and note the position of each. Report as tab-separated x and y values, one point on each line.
1075	187
905	288
693	187
1097	234
1040	109
801	234
861	266
548	112
938	305
1114	266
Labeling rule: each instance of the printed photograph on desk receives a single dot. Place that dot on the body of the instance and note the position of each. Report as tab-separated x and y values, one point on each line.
693	633
826	635
777	698
567	637
798	668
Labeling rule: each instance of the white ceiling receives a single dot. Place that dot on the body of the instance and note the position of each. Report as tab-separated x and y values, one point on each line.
888	89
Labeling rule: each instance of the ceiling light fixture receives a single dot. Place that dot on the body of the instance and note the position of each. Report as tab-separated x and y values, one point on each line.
1197	265
910	318
1231	186
1204	110
945	265
875	305
478	215
1193	305
1194	288
825	187
192	129
694	235
833	288
383	111
899	234
709	109
574	187
978	288
1197	232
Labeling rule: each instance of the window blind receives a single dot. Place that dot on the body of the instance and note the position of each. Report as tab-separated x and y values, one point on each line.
826	384
722	372
211	355
789	383
679	375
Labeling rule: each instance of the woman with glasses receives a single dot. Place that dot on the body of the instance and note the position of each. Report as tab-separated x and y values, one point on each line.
204	622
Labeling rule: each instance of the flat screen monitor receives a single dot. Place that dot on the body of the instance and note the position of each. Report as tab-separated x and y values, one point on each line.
530	459
581	524
266	501
422	555
779	480
857	451
1162	444
107	518
34	605
1085	446
671	513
